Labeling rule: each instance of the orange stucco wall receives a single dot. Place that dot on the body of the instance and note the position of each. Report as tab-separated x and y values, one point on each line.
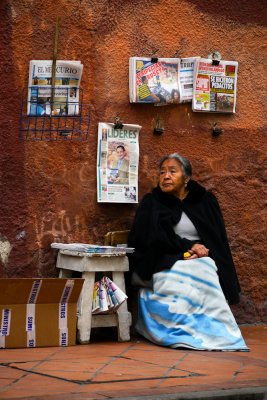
48	189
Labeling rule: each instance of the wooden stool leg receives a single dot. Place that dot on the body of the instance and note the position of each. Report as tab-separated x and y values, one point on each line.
124	317
65	273
85	317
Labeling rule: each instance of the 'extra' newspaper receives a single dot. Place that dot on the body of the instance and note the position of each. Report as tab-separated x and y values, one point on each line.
117	163
63	97
215	86
165	82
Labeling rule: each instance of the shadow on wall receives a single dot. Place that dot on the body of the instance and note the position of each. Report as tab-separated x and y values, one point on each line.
246	12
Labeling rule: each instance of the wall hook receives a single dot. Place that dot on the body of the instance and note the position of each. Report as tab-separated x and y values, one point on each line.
154	59
216	130
117	123
158	126
215	56
177	54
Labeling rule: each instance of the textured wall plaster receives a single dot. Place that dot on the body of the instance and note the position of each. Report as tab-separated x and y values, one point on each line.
48	190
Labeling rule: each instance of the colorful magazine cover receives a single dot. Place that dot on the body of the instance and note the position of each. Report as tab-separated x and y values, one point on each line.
167	81
155	82
215	86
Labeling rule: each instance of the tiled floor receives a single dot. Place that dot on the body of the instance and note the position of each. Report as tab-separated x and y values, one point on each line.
108	369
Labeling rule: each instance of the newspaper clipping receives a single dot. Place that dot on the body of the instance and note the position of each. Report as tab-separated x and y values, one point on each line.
215	86
117	163
63	98
167	81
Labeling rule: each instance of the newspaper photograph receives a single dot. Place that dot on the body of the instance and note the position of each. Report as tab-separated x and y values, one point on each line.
167	81
61	99
117	163
154	82
215	86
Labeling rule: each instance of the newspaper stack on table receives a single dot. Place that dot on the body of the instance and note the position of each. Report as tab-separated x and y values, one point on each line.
93	248
167	81
61	99
107	296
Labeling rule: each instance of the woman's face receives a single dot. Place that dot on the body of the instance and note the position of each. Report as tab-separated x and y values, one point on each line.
171	177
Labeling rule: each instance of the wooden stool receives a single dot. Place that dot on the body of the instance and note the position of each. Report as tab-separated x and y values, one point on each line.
88	264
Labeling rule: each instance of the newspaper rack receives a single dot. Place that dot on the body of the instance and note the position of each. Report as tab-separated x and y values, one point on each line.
58	126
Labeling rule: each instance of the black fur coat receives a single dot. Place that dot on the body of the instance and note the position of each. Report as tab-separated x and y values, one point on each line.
158	247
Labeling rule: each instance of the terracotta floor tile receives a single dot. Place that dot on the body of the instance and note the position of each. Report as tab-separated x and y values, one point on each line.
36	385
114	373
258	333
117	387
251	372
70	374
32	352
154	358
129	369
10	373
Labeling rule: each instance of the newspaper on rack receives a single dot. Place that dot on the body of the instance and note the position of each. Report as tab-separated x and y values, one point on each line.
63	97
93	248
117	163
215	86
107	297
168	81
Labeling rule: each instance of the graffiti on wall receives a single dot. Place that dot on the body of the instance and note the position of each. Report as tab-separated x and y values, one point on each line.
60	227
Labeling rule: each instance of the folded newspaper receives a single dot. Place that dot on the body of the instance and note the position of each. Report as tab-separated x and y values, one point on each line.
168	81
60	99
107	297
93	248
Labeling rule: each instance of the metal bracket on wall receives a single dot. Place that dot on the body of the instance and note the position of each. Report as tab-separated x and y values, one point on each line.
54	122
50	116
216	130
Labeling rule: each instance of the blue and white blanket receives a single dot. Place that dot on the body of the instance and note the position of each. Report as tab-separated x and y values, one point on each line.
187	308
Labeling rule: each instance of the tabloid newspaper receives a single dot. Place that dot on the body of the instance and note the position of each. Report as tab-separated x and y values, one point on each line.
61	99
117	163
168	81
215	86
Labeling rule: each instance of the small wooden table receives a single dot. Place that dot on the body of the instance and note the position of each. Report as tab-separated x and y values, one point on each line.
88	264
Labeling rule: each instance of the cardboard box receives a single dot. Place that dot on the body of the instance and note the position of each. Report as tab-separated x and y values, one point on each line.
38	312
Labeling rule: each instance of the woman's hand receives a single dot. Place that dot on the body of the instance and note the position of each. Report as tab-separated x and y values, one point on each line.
198	251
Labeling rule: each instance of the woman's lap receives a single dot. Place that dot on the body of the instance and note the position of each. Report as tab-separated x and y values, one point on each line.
187	308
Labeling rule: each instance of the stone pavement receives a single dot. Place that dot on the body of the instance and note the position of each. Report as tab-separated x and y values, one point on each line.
106	369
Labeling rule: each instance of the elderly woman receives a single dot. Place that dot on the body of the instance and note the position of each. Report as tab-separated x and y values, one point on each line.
183	265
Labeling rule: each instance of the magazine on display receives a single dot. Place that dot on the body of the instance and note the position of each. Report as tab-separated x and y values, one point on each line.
168	81
117	163
63	97
215	86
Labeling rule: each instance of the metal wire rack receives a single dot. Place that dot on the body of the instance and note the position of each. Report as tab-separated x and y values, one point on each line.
48	115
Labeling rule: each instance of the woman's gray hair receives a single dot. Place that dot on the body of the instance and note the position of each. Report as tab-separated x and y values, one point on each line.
184	162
